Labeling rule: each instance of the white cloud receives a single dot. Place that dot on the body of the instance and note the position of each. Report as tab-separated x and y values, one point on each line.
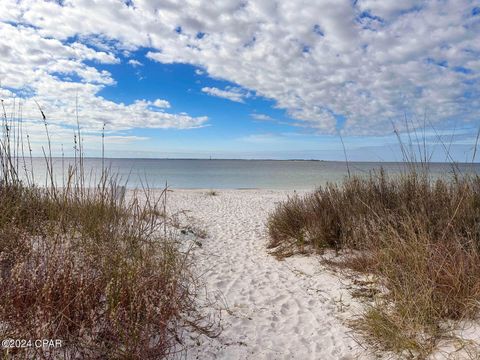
55	73
369	61
135	63
160	103
261	117
231	93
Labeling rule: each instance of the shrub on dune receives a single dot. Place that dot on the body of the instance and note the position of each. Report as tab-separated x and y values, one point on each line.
420	237
87	266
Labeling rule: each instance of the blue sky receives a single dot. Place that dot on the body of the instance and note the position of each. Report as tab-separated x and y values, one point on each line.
245	79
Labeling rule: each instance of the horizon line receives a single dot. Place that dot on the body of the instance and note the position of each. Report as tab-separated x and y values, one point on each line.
259	159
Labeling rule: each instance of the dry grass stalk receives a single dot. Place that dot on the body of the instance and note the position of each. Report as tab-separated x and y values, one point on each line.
420	237
87	266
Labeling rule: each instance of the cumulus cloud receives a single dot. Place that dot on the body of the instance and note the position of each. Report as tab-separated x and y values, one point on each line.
367	61
135	63
62	77
233	94
160	103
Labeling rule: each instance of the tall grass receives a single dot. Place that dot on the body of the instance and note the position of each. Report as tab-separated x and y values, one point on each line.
418	236
86	265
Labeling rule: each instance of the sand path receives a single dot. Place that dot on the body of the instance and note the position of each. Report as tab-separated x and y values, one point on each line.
293	309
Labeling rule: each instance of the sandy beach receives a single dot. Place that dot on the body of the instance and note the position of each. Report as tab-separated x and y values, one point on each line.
151	154
291	309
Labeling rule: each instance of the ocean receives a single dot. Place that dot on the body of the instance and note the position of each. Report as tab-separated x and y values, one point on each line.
230	174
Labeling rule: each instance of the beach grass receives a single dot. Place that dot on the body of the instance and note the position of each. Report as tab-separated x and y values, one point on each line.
87	265
418	236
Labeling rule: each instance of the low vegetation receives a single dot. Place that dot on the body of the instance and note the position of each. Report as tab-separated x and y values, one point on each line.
87	265
418	236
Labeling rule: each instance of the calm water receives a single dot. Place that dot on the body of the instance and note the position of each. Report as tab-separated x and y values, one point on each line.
233	174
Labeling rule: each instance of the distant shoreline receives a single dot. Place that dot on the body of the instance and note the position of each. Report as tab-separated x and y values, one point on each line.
266	159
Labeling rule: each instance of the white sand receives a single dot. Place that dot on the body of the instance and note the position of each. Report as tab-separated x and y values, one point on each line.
292	309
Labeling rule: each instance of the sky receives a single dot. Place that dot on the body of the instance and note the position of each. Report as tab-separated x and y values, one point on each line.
244	79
